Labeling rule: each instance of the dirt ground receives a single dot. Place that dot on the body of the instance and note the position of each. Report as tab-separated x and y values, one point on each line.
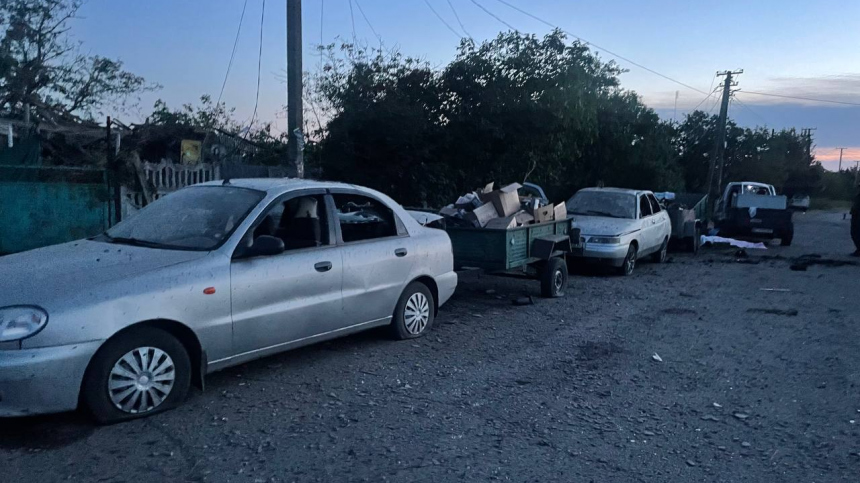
759	381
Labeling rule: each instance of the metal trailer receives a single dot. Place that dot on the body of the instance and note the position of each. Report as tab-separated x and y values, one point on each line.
688	213
537	250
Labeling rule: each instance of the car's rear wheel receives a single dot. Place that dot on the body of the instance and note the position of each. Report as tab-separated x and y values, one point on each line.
141	372
629	263
414	314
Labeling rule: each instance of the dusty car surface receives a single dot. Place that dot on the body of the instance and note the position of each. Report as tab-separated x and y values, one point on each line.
211	276
619	226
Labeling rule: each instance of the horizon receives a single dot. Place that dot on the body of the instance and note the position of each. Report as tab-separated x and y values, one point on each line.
186	48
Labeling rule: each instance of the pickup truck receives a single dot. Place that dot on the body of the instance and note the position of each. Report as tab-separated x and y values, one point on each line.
750	209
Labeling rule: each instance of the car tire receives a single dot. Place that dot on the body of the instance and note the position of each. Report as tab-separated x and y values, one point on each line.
694	242
553	278
786	239
414	314
661	255
139	373
629	263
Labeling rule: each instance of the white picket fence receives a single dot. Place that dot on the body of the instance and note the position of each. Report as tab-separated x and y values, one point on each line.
164	178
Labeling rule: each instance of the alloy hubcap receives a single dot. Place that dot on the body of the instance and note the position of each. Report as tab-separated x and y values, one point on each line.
417	313
141	380
631	262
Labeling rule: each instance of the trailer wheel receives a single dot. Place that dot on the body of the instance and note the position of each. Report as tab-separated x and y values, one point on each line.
553	278
786	238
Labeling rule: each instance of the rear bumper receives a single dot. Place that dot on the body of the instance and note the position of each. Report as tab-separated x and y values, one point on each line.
446	285
45	380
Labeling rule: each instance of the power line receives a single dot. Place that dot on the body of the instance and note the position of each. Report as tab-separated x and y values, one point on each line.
361	11
322	17
749	109
711	89
495	16
259	64
458	19
352	19
800	98
232	54
586	42
442	19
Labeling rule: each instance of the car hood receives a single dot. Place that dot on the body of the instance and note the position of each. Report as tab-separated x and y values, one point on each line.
604	226
39	276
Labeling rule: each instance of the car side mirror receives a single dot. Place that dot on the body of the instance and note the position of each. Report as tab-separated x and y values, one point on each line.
266	245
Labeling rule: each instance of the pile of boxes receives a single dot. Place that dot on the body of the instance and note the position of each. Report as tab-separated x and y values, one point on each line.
501	209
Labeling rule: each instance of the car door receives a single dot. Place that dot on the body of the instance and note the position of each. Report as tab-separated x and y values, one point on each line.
294	295
648	226
663	223
377	256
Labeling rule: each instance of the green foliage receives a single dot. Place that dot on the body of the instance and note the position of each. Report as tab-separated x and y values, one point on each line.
41	66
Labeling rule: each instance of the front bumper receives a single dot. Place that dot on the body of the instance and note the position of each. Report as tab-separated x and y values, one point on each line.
446	285
609	254
44	380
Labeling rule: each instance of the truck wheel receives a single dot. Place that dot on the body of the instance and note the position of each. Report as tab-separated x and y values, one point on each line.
553	278
414	314
785	239
663	254
629	263
141	372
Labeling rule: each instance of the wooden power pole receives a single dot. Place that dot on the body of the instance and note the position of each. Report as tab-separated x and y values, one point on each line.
717	161
295	142
840	158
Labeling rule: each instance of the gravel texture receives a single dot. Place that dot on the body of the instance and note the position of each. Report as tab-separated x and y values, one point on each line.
687	371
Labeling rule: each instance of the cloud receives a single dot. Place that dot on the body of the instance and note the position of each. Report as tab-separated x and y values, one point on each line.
829	157
839	88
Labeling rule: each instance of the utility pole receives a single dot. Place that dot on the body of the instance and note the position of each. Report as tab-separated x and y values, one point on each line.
719	146
295	141
840	158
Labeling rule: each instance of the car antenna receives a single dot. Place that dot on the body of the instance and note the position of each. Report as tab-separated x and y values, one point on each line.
225	182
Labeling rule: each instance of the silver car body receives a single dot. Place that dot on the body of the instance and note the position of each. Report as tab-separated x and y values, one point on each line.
647	230
252	308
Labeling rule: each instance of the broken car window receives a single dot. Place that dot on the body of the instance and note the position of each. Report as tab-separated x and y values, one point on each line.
603	203
363	218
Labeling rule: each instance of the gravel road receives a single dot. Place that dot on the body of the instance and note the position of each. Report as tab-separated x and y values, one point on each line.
758	381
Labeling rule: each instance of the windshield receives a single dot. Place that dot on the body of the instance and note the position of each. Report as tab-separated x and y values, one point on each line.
196	218
603	203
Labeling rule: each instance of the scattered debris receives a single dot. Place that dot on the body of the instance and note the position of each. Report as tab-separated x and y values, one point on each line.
691	463
741	416
785	312
528	300
678	311
775	289
801	263
718	405
657	357
745	444
710	417
490	291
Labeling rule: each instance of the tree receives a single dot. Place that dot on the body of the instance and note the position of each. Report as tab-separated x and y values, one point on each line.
41	66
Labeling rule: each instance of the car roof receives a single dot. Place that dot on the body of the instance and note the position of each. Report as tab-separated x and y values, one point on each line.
616	190
278	185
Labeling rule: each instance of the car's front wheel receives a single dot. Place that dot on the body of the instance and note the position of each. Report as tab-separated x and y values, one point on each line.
414	314
629	263
140	372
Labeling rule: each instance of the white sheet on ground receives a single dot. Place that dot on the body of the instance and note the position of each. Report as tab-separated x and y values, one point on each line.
732	242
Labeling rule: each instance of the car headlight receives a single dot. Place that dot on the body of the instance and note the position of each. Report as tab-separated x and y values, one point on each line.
605	240
21	321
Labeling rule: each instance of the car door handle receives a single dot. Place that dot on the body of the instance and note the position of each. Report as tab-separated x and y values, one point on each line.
323	266
400	252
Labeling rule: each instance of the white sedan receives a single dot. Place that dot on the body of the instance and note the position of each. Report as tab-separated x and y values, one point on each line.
619	226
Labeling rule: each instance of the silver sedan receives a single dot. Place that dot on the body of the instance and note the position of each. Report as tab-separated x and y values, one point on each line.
211	276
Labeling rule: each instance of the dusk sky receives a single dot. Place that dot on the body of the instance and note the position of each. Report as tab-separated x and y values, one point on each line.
786	47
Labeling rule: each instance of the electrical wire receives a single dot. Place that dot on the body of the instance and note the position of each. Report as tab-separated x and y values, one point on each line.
458	19
711	89
749	109
361	11
322	18
259	64
586	42
232	54
495	16
352	19
800	98
442	19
